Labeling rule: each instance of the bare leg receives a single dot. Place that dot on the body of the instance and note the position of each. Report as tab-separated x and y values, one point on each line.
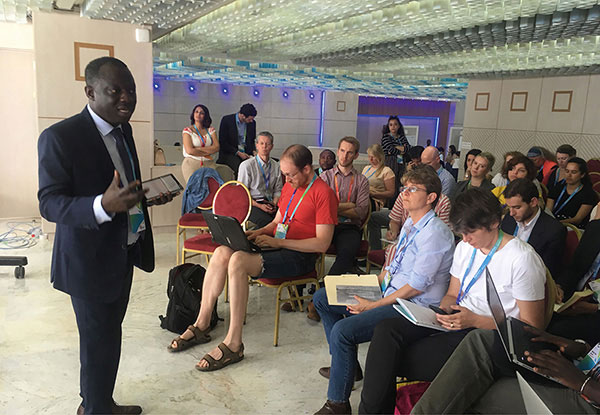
241	265
214	281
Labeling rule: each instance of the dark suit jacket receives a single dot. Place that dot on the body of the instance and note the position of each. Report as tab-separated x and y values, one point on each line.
228	136
547	238
89	261
583	258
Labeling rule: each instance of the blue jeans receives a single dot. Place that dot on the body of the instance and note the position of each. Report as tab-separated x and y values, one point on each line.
343	336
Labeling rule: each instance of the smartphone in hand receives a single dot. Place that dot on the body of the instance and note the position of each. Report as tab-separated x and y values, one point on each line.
441	311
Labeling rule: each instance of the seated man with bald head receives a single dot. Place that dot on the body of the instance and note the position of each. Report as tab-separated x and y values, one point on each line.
431	157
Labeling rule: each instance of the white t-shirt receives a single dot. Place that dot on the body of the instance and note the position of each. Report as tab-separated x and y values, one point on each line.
197	141
517	270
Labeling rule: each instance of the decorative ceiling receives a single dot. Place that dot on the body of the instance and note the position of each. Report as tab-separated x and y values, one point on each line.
426	48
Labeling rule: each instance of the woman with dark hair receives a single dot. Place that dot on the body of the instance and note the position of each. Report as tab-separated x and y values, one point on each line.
501	178
401	348
200	142
474	152
574	200
395	145
563	154
519	167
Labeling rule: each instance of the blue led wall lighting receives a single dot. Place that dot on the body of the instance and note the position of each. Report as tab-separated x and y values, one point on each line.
320	143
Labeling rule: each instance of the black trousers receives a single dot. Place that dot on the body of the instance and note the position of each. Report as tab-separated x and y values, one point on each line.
260	217
400	348
583	326
346	239
232	160
99	326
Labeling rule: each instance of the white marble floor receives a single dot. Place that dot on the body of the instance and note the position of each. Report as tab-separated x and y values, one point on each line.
39	365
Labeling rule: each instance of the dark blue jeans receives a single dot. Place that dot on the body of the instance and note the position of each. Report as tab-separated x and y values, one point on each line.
343	336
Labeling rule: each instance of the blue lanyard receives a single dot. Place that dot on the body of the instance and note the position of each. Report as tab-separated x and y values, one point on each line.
558	208
369	176
320	170
401	250
517	231
267	178
130	158
485	263
200	135
300	201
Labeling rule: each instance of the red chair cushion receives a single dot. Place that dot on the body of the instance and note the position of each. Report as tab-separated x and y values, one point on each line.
407	396
279	281
201	243
193	219
362	250
377	257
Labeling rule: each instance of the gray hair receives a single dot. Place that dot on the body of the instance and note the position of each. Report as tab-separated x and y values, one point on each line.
265	134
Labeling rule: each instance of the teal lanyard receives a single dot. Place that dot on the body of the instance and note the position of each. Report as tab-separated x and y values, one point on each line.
200	135
486	261
369	176
300	201
558	208
265	177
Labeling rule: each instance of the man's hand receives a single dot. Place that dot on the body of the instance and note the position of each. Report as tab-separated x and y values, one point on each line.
267	241
567	347
553	364
363	305
266	207
560	294
117	199
243	156
161	199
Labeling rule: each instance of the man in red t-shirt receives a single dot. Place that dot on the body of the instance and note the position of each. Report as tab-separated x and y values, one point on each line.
303	227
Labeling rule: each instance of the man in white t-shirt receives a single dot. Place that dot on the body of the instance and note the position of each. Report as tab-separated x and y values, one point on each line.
519	276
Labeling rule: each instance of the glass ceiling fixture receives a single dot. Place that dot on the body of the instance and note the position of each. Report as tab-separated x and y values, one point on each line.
15	11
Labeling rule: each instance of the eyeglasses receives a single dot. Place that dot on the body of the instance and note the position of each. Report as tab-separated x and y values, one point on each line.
411	189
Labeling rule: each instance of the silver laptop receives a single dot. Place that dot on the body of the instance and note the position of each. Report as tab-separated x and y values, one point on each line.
515	339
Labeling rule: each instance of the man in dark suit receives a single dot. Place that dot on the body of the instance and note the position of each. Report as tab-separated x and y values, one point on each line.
237	134
89	179
530	224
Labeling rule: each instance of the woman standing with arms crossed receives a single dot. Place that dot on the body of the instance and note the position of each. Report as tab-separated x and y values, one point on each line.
200	142
395	145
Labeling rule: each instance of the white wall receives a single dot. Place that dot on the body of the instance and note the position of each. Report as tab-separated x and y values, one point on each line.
295	119
18	126
500	129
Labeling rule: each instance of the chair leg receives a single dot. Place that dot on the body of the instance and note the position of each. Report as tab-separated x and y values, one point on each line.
178	245
297	295
277	307
368	267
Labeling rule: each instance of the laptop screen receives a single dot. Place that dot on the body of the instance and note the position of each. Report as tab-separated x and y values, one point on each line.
497	309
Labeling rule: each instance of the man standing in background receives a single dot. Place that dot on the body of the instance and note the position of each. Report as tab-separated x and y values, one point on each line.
237	133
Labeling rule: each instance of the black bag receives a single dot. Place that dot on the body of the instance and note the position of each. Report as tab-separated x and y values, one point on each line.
184	290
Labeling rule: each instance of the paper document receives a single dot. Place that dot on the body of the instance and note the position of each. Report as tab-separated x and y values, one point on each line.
418	315
533	403
341	289
578	295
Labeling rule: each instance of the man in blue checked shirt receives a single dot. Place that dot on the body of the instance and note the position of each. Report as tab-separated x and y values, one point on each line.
418	270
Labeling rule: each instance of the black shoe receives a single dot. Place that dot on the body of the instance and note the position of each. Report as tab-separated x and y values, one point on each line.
117	409
358	374
342	408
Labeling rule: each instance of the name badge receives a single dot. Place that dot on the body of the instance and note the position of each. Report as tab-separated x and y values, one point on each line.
281	231
136	218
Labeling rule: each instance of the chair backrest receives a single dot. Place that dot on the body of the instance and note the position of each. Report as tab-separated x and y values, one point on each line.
544	193
550	298
225	172
213	187
571	243
595	178
233	199
593	165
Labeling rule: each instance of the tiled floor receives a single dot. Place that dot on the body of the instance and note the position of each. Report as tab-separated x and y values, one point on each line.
39	366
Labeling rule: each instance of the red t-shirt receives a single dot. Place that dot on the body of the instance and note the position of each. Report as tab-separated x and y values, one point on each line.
319	207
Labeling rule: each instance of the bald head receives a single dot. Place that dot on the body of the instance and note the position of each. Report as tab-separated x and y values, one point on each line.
431	157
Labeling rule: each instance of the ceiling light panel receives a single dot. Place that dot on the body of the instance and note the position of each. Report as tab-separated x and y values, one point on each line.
15	11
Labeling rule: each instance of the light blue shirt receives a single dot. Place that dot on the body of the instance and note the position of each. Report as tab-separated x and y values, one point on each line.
448	182
425	265
241	128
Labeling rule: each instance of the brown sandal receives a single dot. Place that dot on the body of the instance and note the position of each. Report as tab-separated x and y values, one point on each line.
200	337
227	359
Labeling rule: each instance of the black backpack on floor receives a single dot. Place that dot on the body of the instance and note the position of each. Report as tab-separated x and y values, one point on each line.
184	290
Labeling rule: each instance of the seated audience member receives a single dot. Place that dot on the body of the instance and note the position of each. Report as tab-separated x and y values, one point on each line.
431	157
413	156
200	142
519	274
573	201
542	164
469	161
584	269
481	166
557	176
501	178
519	167
480	361
452	161
529	223
302	228
326	161
381	187
261	175
352	191
418	271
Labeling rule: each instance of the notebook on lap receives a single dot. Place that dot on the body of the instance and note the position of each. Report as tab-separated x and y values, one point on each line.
515	339
226	230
